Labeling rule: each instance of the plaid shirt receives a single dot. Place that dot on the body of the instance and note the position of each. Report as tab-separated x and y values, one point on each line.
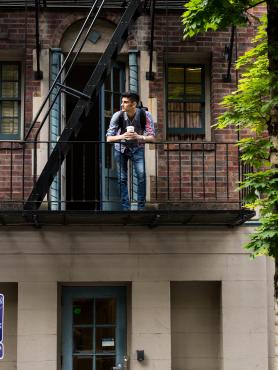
114	129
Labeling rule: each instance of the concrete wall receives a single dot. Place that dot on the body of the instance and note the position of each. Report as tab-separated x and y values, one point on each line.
38	260
196	325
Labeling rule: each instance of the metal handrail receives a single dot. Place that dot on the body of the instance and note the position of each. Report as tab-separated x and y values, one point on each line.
33	123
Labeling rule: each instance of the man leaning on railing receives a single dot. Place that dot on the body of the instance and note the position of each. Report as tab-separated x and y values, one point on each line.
130	129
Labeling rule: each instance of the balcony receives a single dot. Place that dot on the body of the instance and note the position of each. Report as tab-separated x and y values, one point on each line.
189	183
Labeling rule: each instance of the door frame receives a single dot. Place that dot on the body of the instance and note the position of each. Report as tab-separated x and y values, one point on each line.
68	293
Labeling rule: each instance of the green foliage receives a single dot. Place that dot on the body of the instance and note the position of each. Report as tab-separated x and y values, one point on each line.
204	15
264	241
249	106
248	109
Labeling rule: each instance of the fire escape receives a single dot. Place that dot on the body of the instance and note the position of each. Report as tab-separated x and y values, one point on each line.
131	10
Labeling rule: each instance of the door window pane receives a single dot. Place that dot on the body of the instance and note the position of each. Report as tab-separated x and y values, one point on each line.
82	310
107	83
82	339
106	311
105	340
116	80
116	102
105	363
82	363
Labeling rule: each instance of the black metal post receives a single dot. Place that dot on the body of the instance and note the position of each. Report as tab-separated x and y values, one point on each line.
150	74
228	77
38	73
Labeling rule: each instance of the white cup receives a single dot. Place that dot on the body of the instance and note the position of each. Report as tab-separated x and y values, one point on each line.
130	129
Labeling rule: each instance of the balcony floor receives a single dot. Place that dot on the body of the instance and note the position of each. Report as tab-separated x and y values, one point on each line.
149	218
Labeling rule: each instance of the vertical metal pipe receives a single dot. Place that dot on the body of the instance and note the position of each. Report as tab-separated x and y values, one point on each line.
191	172
156	171
215	172
23	171
150	75
133	70
227	171
203	160
227	78
71	171
11	171
239	176
83	148
38	73
168	172
180	171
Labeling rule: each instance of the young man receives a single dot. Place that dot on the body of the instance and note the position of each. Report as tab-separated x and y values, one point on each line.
131	145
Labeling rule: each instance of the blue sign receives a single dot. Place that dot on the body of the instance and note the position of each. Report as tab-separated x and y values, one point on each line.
1	325
1	351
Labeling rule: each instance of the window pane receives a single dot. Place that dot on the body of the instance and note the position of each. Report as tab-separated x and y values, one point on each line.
105	363
9	126
176	120
117	102
81	363
176	107
175	91
107	83
82	312
116	80
106	311
9	109
107	104
176	74
105	339
185	85
193	120
82	339
193	89
10	72
9	90
193	75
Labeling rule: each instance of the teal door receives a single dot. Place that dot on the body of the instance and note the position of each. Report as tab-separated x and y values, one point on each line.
93	328
110	103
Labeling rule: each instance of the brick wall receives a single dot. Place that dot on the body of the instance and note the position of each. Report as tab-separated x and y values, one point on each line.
17	33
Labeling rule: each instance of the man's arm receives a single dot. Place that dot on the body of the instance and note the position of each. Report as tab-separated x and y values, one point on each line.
113	132
149	133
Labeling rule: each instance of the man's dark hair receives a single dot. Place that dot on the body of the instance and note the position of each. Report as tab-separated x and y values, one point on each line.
132	96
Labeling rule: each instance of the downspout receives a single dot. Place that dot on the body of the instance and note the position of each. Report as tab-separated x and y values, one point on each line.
38	72
133	70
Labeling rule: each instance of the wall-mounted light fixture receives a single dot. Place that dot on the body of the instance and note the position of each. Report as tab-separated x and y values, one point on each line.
140	355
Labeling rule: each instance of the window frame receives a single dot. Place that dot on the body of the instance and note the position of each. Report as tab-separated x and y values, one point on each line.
18	99
187	131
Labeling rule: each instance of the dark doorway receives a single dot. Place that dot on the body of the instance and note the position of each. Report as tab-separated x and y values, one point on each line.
82	164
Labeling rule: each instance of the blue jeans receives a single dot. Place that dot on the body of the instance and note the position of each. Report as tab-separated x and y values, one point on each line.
137	156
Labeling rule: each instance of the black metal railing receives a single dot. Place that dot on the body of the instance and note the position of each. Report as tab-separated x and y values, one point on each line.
178	176
113	4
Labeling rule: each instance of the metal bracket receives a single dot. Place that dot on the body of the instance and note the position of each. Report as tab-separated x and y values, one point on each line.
70	91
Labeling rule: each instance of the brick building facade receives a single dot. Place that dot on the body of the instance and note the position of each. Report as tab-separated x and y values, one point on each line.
86	285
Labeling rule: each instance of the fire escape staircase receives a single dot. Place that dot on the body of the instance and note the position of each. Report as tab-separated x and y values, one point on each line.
133	9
